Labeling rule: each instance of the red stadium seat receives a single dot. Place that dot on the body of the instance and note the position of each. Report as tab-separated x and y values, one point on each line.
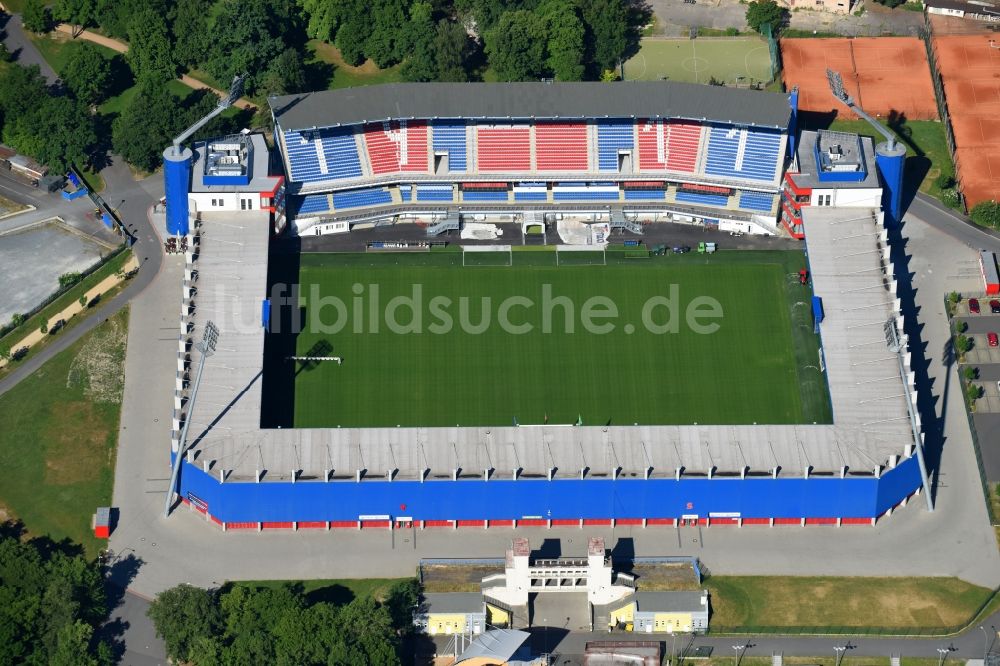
504	148
669	145
397	146
561	146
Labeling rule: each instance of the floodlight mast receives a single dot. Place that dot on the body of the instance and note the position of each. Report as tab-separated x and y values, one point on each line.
235	91
837	88
207	348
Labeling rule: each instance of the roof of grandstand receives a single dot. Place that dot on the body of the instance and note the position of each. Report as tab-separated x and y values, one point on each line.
645	99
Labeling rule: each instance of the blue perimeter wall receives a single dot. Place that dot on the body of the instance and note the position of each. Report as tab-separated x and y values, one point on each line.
753	497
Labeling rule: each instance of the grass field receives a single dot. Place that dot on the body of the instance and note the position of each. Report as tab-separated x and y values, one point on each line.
748	603
699	60
754	368
60	430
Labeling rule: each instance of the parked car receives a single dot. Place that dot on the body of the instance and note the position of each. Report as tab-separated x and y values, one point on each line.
993	339
681	249
974	305
995	306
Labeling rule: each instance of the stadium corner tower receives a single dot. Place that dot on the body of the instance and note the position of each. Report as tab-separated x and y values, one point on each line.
625	154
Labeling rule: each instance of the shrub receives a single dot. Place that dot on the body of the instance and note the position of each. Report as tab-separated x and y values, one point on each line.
17	319
962	326
986	214
44	328
963	344
954	297
944	181
973	393
68	279
83	301
970	373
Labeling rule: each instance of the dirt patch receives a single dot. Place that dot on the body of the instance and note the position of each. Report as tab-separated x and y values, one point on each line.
456	578
99	368
76	450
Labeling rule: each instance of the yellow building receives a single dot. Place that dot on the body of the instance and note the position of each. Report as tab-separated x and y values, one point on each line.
452	613
662	612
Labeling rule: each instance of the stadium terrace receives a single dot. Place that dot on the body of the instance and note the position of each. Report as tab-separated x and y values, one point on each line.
600	165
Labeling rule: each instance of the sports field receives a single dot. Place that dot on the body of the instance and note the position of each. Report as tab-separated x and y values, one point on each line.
725	59
758	366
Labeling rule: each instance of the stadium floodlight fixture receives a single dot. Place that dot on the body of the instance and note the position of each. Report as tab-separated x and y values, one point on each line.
206	346
235	91
836	82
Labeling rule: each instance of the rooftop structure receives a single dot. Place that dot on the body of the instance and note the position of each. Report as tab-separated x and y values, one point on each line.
634	99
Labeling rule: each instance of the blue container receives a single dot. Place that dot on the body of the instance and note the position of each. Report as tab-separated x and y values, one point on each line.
890	166
176	180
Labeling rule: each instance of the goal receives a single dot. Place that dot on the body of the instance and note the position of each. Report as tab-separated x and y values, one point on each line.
487	255
581	255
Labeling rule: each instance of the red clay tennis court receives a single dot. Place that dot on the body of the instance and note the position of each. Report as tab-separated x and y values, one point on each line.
970	70
883	74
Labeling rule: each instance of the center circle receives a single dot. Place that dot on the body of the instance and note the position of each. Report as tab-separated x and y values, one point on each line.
694	64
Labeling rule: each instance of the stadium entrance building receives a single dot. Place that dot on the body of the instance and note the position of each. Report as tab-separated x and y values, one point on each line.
350	155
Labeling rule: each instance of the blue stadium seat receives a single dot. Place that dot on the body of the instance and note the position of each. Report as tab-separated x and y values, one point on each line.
484	195
357	198
612	136
434	193
450	138
313	203
404	192
643	195
702	199
747	153
530	196
327	154
756	201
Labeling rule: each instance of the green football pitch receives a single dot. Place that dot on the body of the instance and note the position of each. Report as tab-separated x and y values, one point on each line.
726	59
758	366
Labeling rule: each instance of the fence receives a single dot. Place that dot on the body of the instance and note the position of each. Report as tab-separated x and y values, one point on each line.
942	103
772	47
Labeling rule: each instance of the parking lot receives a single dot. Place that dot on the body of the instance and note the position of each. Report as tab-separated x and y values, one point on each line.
986	359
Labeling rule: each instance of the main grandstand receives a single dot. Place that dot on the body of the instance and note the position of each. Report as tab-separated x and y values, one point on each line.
435	151
397	153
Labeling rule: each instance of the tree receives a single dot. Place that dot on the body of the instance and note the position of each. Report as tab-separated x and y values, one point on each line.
973	393
607	31
150	53
986	214
189	30
87	73
765	12
565	40
515	46
286	74
36	16
963	344
75	12
145	126
4	53
247	37
59	132
421	62
970	373
452	49
183	615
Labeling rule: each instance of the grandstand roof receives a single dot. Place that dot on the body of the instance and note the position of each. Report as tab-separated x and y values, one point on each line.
645	99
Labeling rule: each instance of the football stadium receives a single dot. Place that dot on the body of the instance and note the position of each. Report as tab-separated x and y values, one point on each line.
457	305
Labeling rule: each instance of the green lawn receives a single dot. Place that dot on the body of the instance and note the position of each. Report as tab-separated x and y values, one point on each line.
814	604
752	369
57	49
116	104
334	590
927	154
697	60
332	72
59	435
